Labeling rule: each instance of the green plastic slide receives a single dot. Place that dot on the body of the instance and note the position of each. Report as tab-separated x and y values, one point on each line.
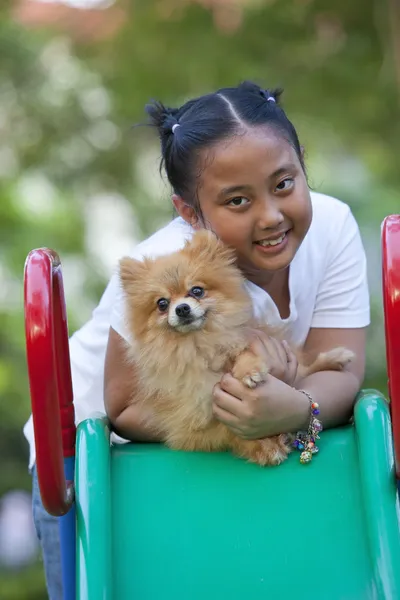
157	524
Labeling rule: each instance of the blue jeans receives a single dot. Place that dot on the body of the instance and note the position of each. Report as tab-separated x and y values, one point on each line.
48	534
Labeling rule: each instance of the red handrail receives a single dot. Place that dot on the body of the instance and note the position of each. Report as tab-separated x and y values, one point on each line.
391	304
47	349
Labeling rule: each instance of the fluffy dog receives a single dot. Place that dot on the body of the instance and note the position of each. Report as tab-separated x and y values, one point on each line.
189	316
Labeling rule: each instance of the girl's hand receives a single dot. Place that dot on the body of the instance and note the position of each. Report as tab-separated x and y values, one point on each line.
269	409
278	356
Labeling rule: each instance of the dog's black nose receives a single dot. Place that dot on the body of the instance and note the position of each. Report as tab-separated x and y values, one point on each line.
183	311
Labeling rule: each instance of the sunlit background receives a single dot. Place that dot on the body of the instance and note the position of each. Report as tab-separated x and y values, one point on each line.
77	177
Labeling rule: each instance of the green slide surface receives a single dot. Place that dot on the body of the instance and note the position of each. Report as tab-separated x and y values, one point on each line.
156	524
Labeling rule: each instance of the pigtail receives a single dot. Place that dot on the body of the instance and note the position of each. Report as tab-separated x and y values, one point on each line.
271	95
162	117
275	94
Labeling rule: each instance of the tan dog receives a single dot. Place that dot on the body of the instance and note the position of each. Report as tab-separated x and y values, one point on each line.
189	315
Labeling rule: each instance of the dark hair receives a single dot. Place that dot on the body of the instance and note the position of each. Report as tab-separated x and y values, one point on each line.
207	120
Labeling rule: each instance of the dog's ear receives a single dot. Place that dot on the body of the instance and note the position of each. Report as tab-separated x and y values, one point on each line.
206	246
132	271
202	239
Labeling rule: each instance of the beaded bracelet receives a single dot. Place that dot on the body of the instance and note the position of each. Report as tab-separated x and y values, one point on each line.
305	440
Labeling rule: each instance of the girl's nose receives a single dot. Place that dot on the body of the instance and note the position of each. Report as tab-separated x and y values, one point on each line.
270	215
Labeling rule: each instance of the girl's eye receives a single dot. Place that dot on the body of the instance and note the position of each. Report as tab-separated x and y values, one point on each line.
285	184
238	201
162	304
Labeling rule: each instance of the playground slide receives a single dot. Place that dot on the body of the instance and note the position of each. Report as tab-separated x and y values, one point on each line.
195	526
153	523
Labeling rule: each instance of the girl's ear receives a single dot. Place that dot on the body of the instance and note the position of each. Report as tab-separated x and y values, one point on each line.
185	211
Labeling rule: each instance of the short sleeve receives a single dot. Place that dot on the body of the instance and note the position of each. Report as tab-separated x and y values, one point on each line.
117	319
343	298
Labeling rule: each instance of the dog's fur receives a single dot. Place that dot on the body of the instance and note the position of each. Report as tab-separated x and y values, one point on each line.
179	363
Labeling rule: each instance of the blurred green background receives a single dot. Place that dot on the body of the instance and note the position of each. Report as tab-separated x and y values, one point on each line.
76	177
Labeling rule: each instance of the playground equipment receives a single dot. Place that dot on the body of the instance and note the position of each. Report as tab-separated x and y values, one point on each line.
145	522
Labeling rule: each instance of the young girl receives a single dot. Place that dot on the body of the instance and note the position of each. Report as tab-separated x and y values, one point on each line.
235	166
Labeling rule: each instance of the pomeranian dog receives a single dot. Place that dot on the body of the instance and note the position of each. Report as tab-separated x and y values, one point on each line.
189	315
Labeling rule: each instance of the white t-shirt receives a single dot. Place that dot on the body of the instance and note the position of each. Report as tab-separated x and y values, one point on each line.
327	283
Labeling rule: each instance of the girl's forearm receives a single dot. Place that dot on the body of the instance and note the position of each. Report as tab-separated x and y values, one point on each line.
335	393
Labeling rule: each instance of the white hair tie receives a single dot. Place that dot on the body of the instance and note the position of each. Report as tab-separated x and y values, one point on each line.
174	127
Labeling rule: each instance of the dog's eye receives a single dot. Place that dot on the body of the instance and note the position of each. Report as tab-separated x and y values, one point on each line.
197	292
162	304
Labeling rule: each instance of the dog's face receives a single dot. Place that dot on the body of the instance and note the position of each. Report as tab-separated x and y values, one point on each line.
187	310
195	289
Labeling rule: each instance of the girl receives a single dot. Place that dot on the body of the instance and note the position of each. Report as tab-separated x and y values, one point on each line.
235	165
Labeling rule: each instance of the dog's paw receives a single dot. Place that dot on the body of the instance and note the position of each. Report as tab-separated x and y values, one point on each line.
266	452
252	379
249	369
338	358
333	360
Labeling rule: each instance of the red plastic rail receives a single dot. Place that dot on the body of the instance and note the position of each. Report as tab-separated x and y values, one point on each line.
47	349
391	304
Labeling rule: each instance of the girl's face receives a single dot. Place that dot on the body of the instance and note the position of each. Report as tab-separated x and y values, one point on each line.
254	195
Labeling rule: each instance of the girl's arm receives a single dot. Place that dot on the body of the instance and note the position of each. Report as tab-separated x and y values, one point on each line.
276	407
335	391
128	419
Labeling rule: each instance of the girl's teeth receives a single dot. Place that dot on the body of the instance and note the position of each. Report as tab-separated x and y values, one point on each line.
272	242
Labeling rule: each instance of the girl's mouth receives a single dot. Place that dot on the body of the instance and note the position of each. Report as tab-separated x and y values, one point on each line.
275	244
